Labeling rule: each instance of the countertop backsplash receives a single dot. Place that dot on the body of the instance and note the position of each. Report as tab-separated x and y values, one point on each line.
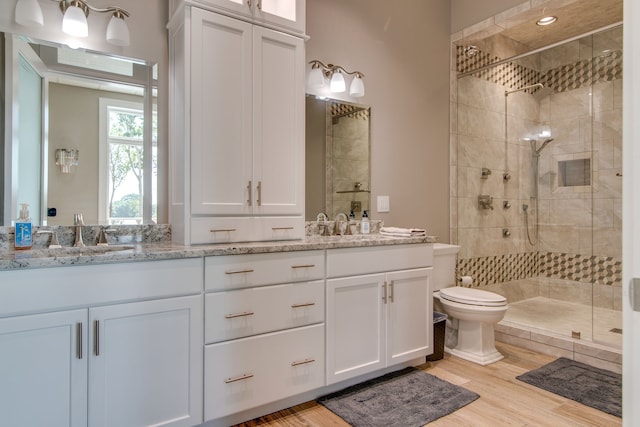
116	235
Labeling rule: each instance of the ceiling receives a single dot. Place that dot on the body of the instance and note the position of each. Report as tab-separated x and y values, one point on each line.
575	18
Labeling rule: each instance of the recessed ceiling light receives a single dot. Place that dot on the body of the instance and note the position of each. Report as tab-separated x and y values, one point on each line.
547	20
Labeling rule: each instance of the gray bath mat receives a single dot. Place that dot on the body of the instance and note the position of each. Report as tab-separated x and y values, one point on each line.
405	398
598	388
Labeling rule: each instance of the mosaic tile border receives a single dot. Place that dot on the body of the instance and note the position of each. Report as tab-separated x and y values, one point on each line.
585	72
504	268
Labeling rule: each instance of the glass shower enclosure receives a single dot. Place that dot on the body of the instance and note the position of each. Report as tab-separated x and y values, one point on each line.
539	187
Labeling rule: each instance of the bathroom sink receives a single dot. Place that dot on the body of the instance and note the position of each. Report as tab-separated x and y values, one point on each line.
87	250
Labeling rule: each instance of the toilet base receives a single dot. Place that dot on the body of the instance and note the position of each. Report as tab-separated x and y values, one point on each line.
476	343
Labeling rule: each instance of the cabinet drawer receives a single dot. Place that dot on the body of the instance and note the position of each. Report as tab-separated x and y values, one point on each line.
236	314
250	372
249	229
230	272
378	259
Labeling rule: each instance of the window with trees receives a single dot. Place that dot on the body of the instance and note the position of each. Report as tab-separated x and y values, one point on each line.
121	177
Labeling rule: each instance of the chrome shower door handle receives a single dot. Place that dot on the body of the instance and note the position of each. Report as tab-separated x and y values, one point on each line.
634	293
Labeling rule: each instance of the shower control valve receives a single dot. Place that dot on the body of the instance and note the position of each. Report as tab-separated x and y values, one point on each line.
485	202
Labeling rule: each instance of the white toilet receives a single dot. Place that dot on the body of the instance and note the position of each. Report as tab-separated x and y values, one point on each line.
471	312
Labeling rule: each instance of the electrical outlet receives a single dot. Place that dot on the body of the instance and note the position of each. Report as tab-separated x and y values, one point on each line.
356	206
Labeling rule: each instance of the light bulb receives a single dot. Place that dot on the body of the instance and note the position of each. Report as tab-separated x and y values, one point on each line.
74	22
118	31
357	87
29	13
337	84
316	79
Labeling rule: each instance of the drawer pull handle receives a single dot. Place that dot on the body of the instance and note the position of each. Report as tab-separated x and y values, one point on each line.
303	266
304	304
222	230
250	270
245	314
240	378
281	228
302	362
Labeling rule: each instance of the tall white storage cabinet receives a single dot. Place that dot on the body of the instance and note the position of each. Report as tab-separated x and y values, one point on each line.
237	130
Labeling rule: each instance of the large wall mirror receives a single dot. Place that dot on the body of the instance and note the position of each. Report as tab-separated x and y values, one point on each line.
338	160
78	135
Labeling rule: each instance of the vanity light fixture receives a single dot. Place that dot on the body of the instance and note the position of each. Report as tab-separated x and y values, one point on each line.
74	18
335	74
65	158
546	20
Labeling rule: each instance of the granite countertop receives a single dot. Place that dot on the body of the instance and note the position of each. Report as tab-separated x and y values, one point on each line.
40	258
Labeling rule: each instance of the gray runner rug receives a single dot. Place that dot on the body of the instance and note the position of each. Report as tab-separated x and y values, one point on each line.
406	398
594	387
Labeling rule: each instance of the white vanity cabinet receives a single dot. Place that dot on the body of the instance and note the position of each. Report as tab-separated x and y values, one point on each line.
264	329
236	130
129	353
44	381
379	319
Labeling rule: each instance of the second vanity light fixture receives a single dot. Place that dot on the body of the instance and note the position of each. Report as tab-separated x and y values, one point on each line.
334	73
74	20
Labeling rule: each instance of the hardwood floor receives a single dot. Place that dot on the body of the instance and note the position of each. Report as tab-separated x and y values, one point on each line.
504	400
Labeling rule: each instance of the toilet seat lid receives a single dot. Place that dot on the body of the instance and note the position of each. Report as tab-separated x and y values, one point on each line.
472	296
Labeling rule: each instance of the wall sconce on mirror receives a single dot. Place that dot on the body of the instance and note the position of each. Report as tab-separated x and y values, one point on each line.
74	20
66	158
335	73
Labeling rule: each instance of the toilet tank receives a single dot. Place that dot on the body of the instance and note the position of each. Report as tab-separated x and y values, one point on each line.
444	265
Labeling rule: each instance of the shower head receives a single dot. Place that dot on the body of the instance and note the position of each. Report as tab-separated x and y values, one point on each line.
536	151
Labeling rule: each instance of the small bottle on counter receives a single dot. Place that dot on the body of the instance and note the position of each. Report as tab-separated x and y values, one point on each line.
364	224
353	228
23	231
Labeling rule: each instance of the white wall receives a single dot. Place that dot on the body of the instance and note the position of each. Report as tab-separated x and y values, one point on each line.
402	47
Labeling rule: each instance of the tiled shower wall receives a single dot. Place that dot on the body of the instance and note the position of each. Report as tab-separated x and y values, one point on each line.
580	226
348	159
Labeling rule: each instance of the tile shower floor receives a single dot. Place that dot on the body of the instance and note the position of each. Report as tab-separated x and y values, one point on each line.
561	317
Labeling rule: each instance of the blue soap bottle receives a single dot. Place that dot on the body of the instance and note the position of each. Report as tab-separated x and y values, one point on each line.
23	231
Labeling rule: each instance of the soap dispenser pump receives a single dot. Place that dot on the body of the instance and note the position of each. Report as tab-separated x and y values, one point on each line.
23	230
364	224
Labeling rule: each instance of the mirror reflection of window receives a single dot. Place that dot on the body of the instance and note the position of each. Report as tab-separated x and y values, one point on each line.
121	160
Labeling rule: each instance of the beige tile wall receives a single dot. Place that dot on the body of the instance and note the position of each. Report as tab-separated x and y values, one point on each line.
578	225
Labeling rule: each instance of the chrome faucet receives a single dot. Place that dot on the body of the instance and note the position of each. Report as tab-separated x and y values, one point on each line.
341	223
102	236
78	222
321	220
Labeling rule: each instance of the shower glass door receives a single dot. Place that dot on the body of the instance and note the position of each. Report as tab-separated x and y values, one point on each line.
540	138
